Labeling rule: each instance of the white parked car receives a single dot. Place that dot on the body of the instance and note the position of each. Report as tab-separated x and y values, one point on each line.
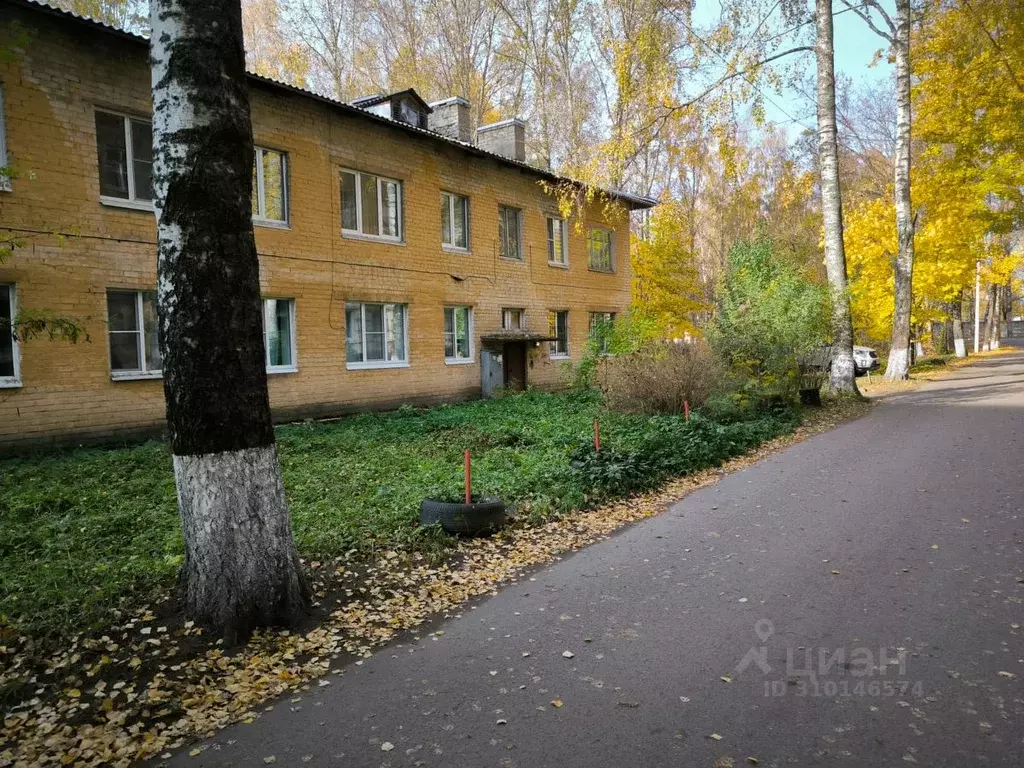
864	359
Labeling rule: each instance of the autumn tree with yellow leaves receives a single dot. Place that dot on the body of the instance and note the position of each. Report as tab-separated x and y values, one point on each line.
666	286
968	170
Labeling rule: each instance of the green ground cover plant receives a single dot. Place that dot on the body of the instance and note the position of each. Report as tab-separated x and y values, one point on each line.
90	531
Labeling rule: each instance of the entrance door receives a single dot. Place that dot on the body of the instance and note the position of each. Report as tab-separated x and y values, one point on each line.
515	365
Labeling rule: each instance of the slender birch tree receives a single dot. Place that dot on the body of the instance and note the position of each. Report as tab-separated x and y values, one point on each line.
896	31
842	376
241	569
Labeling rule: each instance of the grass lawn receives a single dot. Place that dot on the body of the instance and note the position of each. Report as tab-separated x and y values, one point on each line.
88	530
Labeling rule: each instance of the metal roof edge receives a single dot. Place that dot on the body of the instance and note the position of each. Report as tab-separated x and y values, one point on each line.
635	202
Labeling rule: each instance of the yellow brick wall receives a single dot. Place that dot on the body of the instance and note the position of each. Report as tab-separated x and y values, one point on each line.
51	92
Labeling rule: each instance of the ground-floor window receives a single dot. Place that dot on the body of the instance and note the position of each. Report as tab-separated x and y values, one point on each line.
375	335
9	374
458	334
279	335
558	327
600	328
134	334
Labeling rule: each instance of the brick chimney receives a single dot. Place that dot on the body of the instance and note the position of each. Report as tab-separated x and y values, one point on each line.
506	138
451	118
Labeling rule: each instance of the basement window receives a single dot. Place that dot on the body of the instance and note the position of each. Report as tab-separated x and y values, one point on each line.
376	336
371	206
10	376
124	146
279	335
134	335
270	188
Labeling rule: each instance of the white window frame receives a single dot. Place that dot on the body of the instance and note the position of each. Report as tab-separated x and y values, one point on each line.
131	201
260	218
294	367
8	382
506	316
457	360
450	245
606	317
367	365
358	231
563	226
5	180
552	354
611	250
142	372
502	209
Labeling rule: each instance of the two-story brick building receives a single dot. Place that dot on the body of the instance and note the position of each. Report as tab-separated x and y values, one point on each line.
402	260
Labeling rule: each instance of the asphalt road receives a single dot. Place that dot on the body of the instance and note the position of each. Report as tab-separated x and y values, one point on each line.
872	577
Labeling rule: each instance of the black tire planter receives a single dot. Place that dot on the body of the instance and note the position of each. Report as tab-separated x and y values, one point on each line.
810	397
483	516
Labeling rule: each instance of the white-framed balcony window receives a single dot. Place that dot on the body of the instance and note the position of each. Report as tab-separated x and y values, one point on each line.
513	319
124	146
458	335
5	180
279	335
558	242
134	335
600	327
10	373
599	250
270	188
558	327
371	206
454	221
510	232
376	335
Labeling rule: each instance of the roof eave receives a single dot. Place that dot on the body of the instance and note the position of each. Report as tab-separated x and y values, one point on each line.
633	202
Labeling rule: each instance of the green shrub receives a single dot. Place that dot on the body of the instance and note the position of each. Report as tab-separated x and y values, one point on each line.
769	317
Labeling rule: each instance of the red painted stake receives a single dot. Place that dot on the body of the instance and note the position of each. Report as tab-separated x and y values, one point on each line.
469	479
597	436
686	407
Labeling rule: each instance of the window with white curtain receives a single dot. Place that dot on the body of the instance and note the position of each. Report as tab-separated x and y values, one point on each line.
279	335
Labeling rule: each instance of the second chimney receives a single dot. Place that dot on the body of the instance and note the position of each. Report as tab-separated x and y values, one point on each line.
451	118
506	138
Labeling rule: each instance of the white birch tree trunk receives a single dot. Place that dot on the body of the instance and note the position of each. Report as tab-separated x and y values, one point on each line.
899	357
842	375
956	312
241	570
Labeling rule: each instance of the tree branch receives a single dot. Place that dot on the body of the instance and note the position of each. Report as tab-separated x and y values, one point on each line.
866	18
739	73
